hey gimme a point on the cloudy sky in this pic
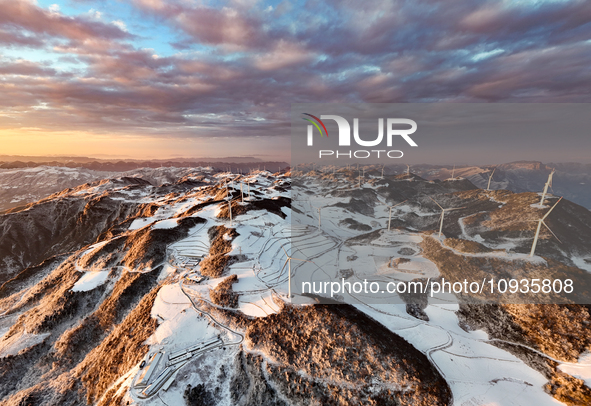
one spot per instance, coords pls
(158, 79)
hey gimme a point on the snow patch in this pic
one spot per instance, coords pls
(90, 281)
(581, 370)
(19, 342)
(582, 263)
(170, 223)
(140, 223)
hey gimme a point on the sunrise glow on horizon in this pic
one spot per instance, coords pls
(159, 79)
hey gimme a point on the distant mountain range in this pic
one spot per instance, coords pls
(83, 159)
(233, 164)
(26, 182)
(22, 183)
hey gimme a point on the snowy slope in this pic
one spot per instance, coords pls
(152, 264)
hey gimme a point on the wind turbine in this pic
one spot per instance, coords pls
(490, 178)
(407, 169)
(319, 213)
(230, 209)
(390, 217)
(443, 214)
(241, 192)
(382, 172)
(540, 222)
(453, 171)
(229, 199)
(548, 183)
(288, 263)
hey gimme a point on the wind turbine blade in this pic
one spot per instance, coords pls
(546, 215)
(286, 254)
(546, 225)
(302, 260)
(399, 203)
(436, 203)
(455, 208)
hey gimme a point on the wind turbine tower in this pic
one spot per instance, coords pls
(540, 222)
(443, 214)
(230, 209)
(229, 199)
(288, 263)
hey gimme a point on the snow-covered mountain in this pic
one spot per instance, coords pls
(172, 289)
(21, 186)
(571, 180)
